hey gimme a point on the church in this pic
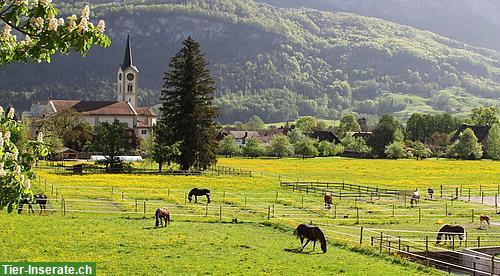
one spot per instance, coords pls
(139, 120)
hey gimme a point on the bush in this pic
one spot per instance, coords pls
(395, 150)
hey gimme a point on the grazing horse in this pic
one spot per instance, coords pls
(448, 231)
(199, 192)
(162, 215)
(311, 233)
(484, 218)
(328, 201)
(39, 199)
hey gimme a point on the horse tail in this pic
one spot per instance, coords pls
(167, 217)
(321, 237)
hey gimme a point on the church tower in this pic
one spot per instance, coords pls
(128, 78)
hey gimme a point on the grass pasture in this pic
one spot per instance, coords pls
(108, 218)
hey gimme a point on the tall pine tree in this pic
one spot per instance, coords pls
(188, 115)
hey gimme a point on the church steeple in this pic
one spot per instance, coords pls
(127, 59)
(127, 78)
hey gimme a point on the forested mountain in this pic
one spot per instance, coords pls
(277, 63)
(476, 22)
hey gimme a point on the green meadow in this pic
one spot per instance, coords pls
(247, 229)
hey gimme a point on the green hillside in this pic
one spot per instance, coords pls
(273, 62)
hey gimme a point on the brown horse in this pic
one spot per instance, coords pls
(311, 233)
(328, 201)
(484, 218)
(162, 215)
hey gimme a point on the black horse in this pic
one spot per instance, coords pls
(199, 192)
(39, 199)
(449, 231)
(311, 233)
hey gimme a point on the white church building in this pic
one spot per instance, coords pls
(139, 119)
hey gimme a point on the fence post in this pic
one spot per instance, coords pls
(480, 189)
(371, 241)
(273, 210)
(123, 195)
(220, 213)
(478, 241)
(472, 215)
(482, 197)
(456, 192)
(441, 189)
(112, 191)
(453, 243)
(340, 195)
(245, 201)
(268, 211)
(380, 248)
(446, 209)
(419, 215)
(393, 210)
(493, 265)
(357, 215)
(427, 246)
(144, 208)
(64, 206)
(136, 205)
(469, 196)
(405, 198)
(361, 236)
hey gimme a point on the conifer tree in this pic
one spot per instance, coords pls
(188, 114)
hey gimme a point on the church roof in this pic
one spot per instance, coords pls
(127, 59)
(144, 111)
(94, 107)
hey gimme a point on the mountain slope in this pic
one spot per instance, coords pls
(276, 63)
(474, 22)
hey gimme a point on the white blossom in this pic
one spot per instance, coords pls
(45, 2)
(6, 135)
(27, 184)
(60, 21)
(17, 171)
(39, 137)
(37, 22)
(53, 23)
(2, 165)
(14, 155)
(1, 141)
(6, 32)
(1, 111)
(10, 114)
(85, 12)
(2, 172)
(26, 42)
(101, 25)
(84, 25)
(21, 2)
(72, 23)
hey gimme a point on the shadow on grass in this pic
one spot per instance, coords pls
(297, 251)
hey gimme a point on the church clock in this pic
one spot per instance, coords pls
(130, 76)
